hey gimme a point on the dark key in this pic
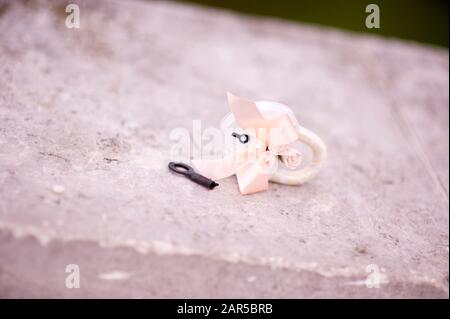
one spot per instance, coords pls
(186, 170)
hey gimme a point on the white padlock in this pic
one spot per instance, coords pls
(319, 152)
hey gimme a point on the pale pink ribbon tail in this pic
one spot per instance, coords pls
(251, 179)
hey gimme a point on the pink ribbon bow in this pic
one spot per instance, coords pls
(269, 138)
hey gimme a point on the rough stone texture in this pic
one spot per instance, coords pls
(92, 109)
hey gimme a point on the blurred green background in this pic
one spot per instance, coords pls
(419, 20)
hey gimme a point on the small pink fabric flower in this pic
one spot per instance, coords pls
(292, 158)
(279, 150)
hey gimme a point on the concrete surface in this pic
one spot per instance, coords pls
(85, 119)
